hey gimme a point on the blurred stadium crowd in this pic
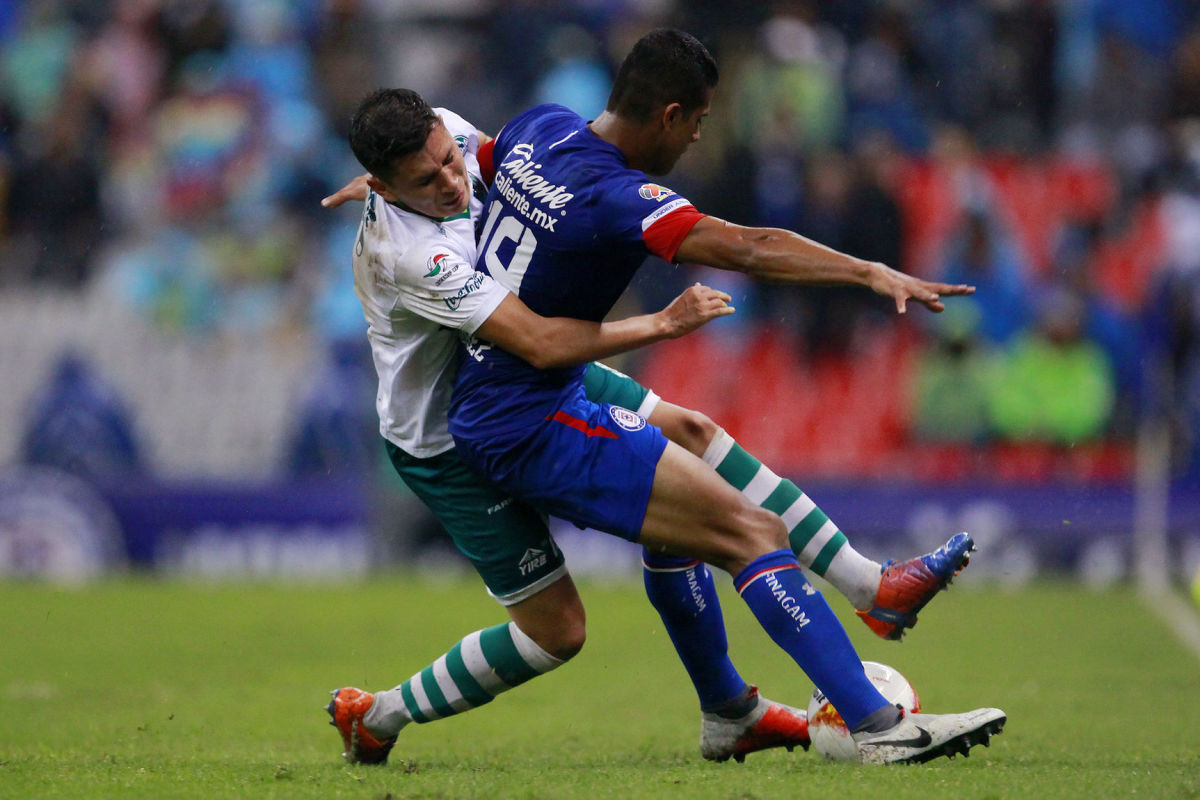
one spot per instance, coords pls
(174, 300)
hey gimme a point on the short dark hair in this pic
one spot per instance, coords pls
(389, 125)
(665, 66)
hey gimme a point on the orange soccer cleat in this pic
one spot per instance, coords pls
(769, 724)
(347, 709)
(908, 586)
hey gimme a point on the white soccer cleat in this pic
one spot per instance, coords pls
(921, 737)
(769, 724)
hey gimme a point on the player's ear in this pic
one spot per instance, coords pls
(672, 113)
(380, 188)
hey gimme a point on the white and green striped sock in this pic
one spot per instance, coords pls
(481, 666)
(817, 542)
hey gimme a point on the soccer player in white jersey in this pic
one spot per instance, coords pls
(703, 437)
(414, 276)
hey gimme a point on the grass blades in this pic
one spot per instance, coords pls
(145, 688)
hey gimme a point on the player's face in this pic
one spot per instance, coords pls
(432, 181)
(680, 133)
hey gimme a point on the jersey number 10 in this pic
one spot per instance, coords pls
(498, 229)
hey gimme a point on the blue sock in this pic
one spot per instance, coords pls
(798, 619)
(683, 593)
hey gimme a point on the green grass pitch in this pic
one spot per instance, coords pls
(142, 688)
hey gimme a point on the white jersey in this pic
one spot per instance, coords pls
(416, 279)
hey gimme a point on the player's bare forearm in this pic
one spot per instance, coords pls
(548, 342)
(770, 254)
(773, 254)
(354, 190)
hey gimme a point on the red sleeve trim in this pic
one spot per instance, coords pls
(486, 167)
(665, 235)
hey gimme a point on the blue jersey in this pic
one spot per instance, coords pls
(566, 225)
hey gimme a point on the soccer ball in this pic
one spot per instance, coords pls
(825, 726)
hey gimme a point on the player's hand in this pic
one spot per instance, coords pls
(902, 288)
(354, 190)
(697, 305)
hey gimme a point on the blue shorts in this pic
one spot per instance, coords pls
(591, 464)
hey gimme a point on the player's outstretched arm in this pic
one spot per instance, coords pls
(547, 342)
(354, 190)
(774, 254)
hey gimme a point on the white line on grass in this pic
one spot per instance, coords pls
(1178, 615)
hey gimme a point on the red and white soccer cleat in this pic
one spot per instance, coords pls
(769, 724)
(347, 709)
(908, 586)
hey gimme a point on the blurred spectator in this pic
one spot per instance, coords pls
(1022, 102)
(347, 62)
(848, 207)
(1173, 364)
(1185, 78)
(9, 17)
(54, 206)
(35, 61)
(168, 277)
(953, 39)
(338, 432)
(189, 27)
(954, 379)
(1171, 317)
(879, 92)
(788, 93)
(179, 147)
(990, 263)
(79, 424)
(1104, 321)
(875, 220)
(1053, 385)
(207, 132)
(577, 77)
(1125, 103)
(125, 65)
(515, 45)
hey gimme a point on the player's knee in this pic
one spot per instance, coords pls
(571, 642)
(689, 429)
(553, 618)
(697, 431)
(749, 532)
(565, 640)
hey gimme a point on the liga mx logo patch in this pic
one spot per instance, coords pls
(435, 264)
(652, 191)
(627, 419)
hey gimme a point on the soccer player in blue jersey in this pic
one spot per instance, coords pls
(414, 275)
(570, 217)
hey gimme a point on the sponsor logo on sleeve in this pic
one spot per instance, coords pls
(442, 267)
(662, 211)
(473, 283)
(435, 264)
(629, 420)
(652, 191)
